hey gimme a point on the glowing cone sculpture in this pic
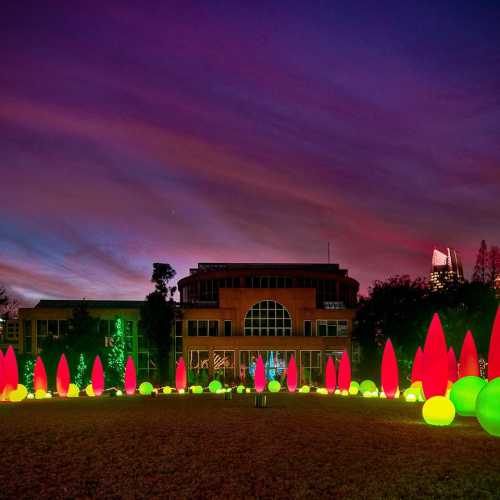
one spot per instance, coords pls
(63, 378)
(97, 377)
(330, 376)
(345, 372)
(2, 375)
(260, 375)
(494, 352)
(435, 371)
(130, 378)
(390, 373)
(180, 375)
(417, 370)
(452, 365)
(469, 362)
(11, 375)
(39, 376)
(291, 375)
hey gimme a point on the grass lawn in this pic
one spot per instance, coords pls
(302, 445)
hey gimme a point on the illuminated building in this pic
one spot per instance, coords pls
(446, 269)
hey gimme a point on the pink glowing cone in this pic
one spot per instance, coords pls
(2, 375)
(435, 371)
(180, 375)
(97, 376)
(417, 369)
(452, 365)
(11, 375)
(494, 352)
(345, 372)
(291, 375)
(63, 378)
(469, 363)
(39, 375)
(330, 375)
(260, 375)
(130, 379)
(390, 373)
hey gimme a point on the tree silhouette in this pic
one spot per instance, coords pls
(481, 267)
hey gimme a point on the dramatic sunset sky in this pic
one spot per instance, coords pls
(133, 132)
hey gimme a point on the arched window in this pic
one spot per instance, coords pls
(268, 318)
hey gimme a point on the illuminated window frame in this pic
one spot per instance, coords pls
(267, 318)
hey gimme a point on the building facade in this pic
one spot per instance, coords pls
(229, 314)
(446, 269)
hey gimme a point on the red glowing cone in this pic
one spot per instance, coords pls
(130, 379)
(330, 376)
(417, 370)
(345, 372)
(390, 373)
(435, 371)
(39, 376)
(2, 376)
(469, 363)
(63, 378)
(452, 365)
(11, 375)
(291, 375)
(494, 353)
(260, 375)
(97, 377)
(180, 375)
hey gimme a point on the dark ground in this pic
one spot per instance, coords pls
(303, 445)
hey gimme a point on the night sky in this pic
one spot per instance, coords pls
(213, 131)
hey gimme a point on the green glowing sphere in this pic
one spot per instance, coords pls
(214, 386)
(240, 389)
(18, 394)
(197, 389)
(354, 388)
(73, 391)
(411, 395)
(89, 391)
(488, 407)
(305, 389)
(438, 410)
(274, 386)
(464, 393)
(146, 389)
(40, 394)
(167, 390)
(367, 386)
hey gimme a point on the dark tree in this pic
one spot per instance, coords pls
(481, 267)
(158, 314)
(493, 265)
(8, 307)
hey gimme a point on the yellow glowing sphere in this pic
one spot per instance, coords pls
(354, 388)
(30, 395)
(337, 391)
(167, 390)
(40, 394)
(410, 398)
(322, 390)
(397, 394)
(181, 391)
(48, 395)
(18, 394)
(89, 391)
(248, 390)
(73, 391)
(438, 410)
(367, 394)
(345, 393)
(382, 395)
(119, 392)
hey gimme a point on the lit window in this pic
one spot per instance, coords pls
(267, 318)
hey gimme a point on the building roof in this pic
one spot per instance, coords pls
(91, 304)
(223, 266)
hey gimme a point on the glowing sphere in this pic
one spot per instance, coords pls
(248, 390)
(180, 374)
(220, 391)
(469, 363)
(494, 351)
(197, 389)
(435, 366)
(344, 393)
(89, 391)
(130, 379)
(383, 395)
(464, 393)
(411, 395)
(354, 388)
(40, 394)
(167, 390)
(260, 375)
(418, 365)
(439, 411)
(322, 390)
(390, 373)
(367, 386)
(305, 389)
(181, 391)
(274, 386)
(97, 377)
(291, 375)
(488, 407)
(330, 375)
(214, 386)
(240, 389)
(146, 389)
(344, 372)
(73, 391)
(30, 395)
(18, 394)
(119, 393)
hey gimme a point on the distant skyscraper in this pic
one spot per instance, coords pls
(446, 268)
